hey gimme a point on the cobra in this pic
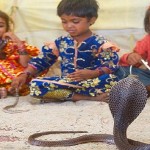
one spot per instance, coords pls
(127, 99)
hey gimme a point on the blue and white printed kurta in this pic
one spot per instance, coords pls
(93, 53)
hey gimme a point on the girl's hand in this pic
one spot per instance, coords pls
(18, 82)
(83, 74)
(13, 38)
(134, 58)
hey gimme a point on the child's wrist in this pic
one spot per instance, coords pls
(22, 49)
(100, 71)
(23, 52)
(27, 73)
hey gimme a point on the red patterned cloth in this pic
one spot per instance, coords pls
(10, 67)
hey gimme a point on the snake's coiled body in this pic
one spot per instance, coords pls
(127, 99)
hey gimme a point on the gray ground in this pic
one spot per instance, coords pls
(94, 117)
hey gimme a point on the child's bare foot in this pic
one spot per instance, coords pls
(3, 92)
(104, 97)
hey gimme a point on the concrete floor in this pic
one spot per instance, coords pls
(94, 117)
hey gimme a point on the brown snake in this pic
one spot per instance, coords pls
(7, 108)
(127, 99)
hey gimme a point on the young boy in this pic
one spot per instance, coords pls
(87, 60)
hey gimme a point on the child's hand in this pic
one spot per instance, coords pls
(83, 74)
(134, 58)
(17, 82)
(12, 37)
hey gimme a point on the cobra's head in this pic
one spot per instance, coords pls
(127, 99)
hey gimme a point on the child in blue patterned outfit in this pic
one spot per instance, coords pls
(87, 60)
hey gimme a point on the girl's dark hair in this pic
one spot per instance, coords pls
(147, 21)
(7, 19)
(80, 8)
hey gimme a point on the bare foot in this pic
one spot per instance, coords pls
(104, 97)
(3, 92)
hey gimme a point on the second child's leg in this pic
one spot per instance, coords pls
(62, 95)
(104, 97)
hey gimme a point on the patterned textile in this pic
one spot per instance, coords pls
(93, 53)
(10, 67)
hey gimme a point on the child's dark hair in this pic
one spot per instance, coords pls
(147, 21)
(7, 19)
(80, 8)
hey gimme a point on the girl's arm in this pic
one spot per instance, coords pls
(22, 78)
(20, 46)
(23, 54)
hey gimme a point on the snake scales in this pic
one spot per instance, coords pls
(127, 99)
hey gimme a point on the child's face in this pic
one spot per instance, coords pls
(2, 27)
(75, 26)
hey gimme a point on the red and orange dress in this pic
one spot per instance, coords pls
(10, 66)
